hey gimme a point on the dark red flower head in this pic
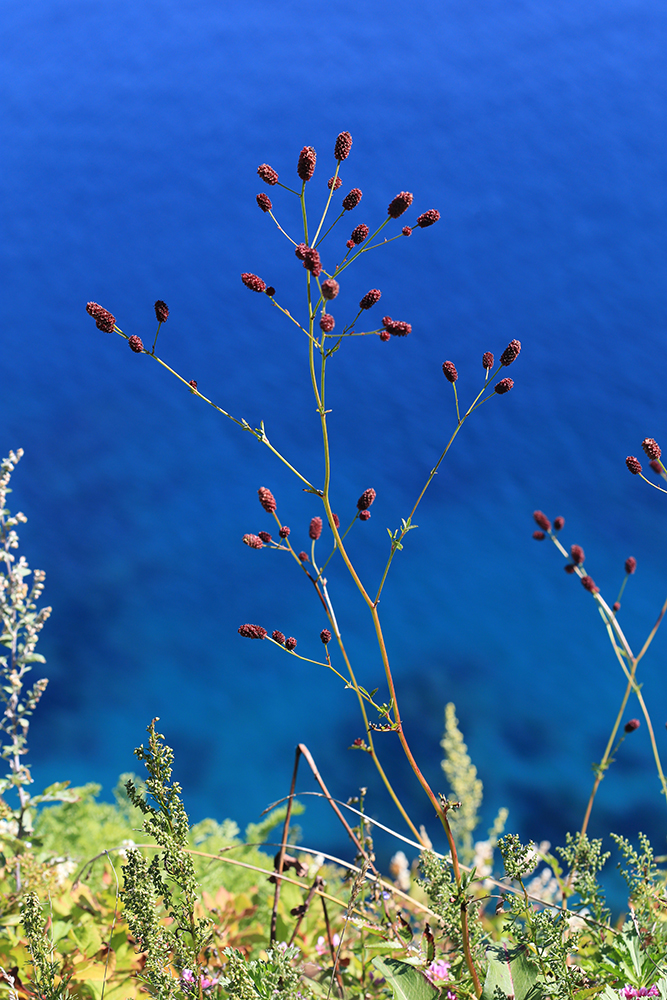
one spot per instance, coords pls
(161, 311)
(254, 541)
(252, 631)
(577, 555)
(335, 183)
(284, 531)
(401, 203)
(539, 536)
(135, 344)
(193, 383)
(370, 298)
(631, 725)
(407, 230)
(364, 515)
(264, 202)
(396, 327)
(487, 360)
(352, 199)
(655, 465)
(305, 168)
(630, 565)
(290, 643)
(300, 251)
(253, 282)
(315, 529)
(366, 499)
(303, 556)
(265, 536)
(569, 568)
(267, 173)
(542, 520)
(267, 499)
(428, 218)
(651, 447)
(634, 465)
(330, 289)
(327, 322)
(616, 606)
(359, 233)
(343, 146)
(559, 523)
(336, 519)
(449, 371)
(588, 583)
(278, 637)
(103, 319)
(504, 386)
(325, 636)
(385, 335)
(312, 262)
(270, 290)
(511, 352)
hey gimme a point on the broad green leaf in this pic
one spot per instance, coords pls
(406, 982)
(510, 975)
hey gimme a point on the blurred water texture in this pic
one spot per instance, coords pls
(132, 137)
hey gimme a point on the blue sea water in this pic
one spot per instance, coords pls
(132, 134)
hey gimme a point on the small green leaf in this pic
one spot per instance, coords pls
(406, 982)
(510, 975)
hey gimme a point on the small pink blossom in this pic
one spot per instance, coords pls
(438, 971)
(322, 947)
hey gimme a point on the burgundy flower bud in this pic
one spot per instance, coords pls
(265, 536)
(284, 531)
(651, 447)
(407, 230)
(559, 523)
(504, 386)
(385, 335)
(396, 326)
(336, 520)
(135, 344)
(343, 146)
(633, 464)
(359, 233)
(305, 168)
(428, 218)
(539, 536)
(312, 262)
(264, 202)
(656, 466)
(588, 583)
(616, 606)
(267, 499)
(630, 565)
(370, 298)
(290, 643)
(569, 568)
(330, 289)
(511, 352)
(366, 499)
(253, 282)
(254, 541)
(325, 636)
(364, 515)
(267, 173)
(487, 360)
(161, 311)
(352, 199)
(300, 251)
(303, 556)
(270, 291)
(279, 637)
(252, 631)
(315, 529)
(193, 383)
(103, 319)
(349, 244)
(401, 203)
(449, 371)
(541, 520)
(327, 322)
(335, 183)
(577, 555)
(631, 725)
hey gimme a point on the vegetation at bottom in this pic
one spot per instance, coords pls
(127, 900)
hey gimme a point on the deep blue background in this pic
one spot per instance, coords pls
(132, 134)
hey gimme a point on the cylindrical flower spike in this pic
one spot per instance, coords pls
(343, 146)
(312, 262)
(264, 202)
(511, 353)
(254, 541)
(161, 311)
(487, 360)
(449, 371)
(370, 298)
(539, 536)
(588, 583)
(577, 555)
(330, 289)
(401, 203)
(253, 282)
(305, 168)
(656, 466)
(541, 520)
(359, 233)
(630, 565)
(267, 500)
(631, 725)
(352, 199)
(327, 322)
(315, 529)
(396, 327)
(428, 218)
(278, 637)
(325, 636)
(265, 536)
(103, 318)
(267, 173)
(504, 386)
(651, 447)
(634, 465)
(335, 183)
(290, 643)
(559, 523)
(135, 344)
(252, 631)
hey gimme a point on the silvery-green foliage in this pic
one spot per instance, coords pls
(274, 977)
(44, 968)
